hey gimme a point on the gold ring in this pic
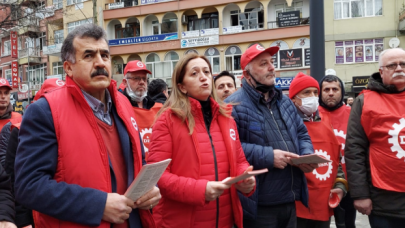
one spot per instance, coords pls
(151, 206)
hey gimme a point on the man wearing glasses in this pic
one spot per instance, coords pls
(375, 144)
(136, 90)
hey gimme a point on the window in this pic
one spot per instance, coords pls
(171, 60)
(152, 64)
(37, 74)
(358, 51)
(130, 30)
(41, 41)
(155, 27)
(281, 8)
(191, 51)
(8, 75)
(70, 2)
(212, 55)
(58, 36)
(357, 8)
(73, 25)
(251, 19)
(57, 68)
(58, 4)
(207, 21)
(169, 23)
(7, 48)
(232, 59)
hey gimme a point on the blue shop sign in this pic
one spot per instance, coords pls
(143, 39)
(283, 83)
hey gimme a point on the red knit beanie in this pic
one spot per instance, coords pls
(301, 82)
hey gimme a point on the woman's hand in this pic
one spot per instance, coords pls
(246, 185)
(214, 189)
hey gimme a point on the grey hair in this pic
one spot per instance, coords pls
(68, 51)
(248, 67)
(384, 52)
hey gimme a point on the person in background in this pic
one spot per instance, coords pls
(79, 147)
(271, 133)
(350, 101)
(7, 114)
(225, 84)
(331, 102)
(158, 90)
(194, 128)
(328, 178)
(7, 212)
(375, 144)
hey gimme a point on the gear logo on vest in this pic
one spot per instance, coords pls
(342, 136)
(134, 123)
(232, 134)
(324, 170)
(146, 134)
(396, 139)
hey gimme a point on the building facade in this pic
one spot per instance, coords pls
(160, 32)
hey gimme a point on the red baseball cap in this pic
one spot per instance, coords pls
(254, 51)
(48, 86)
(4, 82)
(134, 66)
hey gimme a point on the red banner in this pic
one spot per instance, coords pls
(14, 74)
(14, 45)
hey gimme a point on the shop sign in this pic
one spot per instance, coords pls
(143, 39)
(232, 29)
(187, 34)
(307, 53)
(360, 83)
(209, 32)
(153, 1)
(284, 83)
(14, 44)
(291, 18)
(290, 58)
(201, 41)
(14, 74)
(116, 5)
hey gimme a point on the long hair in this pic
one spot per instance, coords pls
(179, 103)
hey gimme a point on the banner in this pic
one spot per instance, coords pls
(153, 1)
(232, 29)
(291, 18)
(291, 58)
(209, 32)
(187, 34)
(14, 74)
(307, 52)
(143, 39)
(197, 42)
(14, 44)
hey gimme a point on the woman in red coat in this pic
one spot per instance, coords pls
(195, 130)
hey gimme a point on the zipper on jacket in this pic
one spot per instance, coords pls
(292, 174)
(216, 175)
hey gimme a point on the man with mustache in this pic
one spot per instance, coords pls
(225, 84)
(375, 144)
(271, 132)
(79, 146)
(331, 102)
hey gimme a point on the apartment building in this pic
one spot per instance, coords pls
(159, 32)
(356, 31)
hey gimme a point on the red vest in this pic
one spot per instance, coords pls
(14, 116)
(383, 120)
(145, 119)
(82, 155)
(339, 119)
(321, 180)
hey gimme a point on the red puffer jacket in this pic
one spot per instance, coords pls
(194, 163)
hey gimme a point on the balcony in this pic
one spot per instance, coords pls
(53, 50)
(29, 27)
(274, 24)
(29, 55)
(123, 4)
(29, 2)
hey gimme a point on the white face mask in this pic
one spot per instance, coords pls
(309, 105)
(134, 96)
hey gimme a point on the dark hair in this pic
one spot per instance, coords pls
(225, 73)
(156, 86)
(87, 30)
(331, 78)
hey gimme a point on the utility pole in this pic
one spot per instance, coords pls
(95, 21)
(317, 38)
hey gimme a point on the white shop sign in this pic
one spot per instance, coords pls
(200, 41)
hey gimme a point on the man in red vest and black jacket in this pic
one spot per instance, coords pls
(375, 144)
(80, 148)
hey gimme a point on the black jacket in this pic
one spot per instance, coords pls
(7, 212)
(147, 102)
(160, 98)
(385, 203)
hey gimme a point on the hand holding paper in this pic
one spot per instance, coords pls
(246, 185)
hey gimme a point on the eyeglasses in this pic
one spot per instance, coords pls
(394, 66)
(138, 79)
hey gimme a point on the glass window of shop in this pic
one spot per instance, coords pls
(232, 59)
(358, 51)
(152, 64)
(207, 21)
(212, 55)
(357, 8)
(57, 68)
(170, 62)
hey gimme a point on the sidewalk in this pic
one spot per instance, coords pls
(361, 221)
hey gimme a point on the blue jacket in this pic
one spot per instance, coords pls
(35, 166)
(261, 130)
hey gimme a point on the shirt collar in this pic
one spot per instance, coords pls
(95, 104)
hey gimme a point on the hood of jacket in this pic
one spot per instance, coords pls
(376, 84)
(339, 104)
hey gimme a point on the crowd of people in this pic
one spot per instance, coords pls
(69, 161)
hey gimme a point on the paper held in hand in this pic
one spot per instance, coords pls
(309, 159)
(234, 180)
(146, 179)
